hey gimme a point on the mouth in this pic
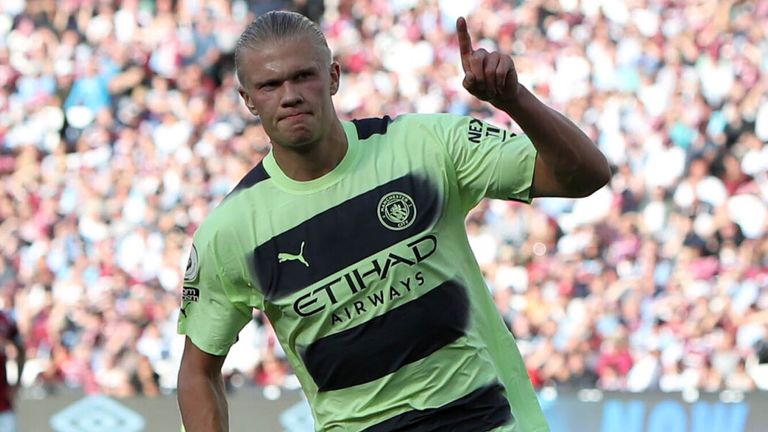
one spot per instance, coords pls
(294, 116)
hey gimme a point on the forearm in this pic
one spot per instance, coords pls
(203, 403)
(573, 158)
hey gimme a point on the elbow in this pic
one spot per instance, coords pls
(602, 174)
(594, 178)
(596, 170)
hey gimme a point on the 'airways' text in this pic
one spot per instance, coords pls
(365, 276)
(377, 299)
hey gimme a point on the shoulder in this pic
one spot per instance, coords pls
(433, 118)
(368, 127)
(206, 235)
(254, 177)
(219, 226)
(442, 126)
(230, 211)
(224, 223)
(411, 123)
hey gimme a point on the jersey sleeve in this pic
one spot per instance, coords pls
(215, 303)
(489, 161)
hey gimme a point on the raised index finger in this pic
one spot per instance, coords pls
(465, 43)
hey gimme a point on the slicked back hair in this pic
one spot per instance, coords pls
(277, 26)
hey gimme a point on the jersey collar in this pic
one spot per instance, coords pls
(284, 182)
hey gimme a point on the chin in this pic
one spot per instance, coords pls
(300, 142)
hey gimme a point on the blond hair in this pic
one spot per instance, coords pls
(277, 26)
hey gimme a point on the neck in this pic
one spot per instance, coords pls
(316, 159)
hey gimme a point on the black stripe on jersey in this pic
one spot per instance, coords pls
(482, 410)
(388, 342)
(340, 236)
(257, 174)
(371, 126)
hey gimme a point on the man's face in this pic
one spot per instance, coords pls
(289, 84)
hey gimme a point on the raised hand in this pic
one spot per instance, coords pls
(488, 76)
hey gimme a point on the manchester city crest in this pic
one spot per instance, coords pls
(397, 211)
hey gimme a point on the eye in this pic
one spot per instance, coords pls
(303, 76)
(269, 85)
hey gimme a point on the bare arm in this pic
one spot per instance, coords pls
(568, 163)
(202, 400)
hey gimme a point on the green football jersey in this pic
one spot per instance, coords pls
(368, 278)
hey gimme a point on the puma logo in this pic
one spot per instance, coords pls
(285, 256)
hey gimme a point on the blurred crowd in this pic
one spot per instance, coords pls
(121, 127)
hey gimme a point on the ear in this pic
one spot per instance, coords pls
(335, 77)
(248, 101)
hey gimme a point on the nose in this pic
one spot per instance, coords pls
(291, 95)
